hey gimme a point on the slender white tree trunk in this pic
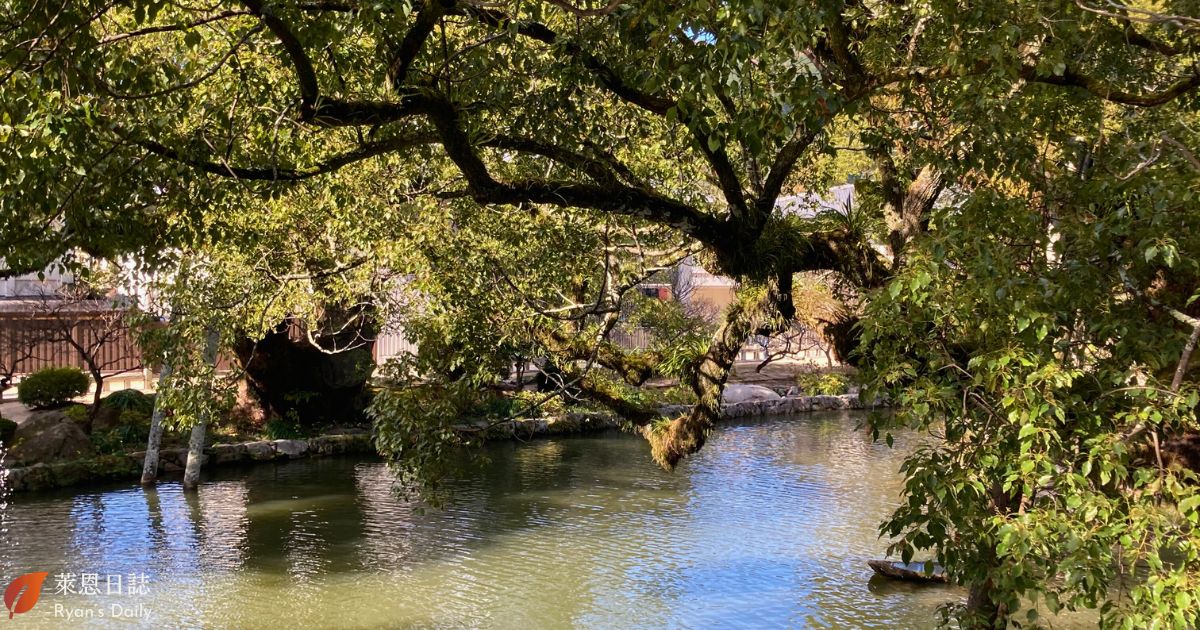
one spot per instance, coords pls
(150, 467)
(195, 458)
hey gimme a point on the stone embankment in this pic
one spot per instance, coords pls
(107, 468)
(741, 401)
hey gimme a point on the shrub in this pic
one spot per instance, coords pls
(538, 404)
(492, 405)
(130, 400)
(120, 440)
(815, 384)
(283, 429)
(77, 414)
(677, 395)
(52, 387)
(8, 429)
(133, 418)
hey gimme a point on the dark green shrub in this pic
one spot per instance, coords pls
(130, 400)
(122, 439)
(283, 429)
(134, 418)
(492, 405)
(52, 387)
(8, 429)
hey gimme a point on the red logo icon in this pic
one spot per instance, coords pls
(23, 592)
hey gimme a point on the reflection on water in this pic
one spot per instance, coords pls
(770, 526)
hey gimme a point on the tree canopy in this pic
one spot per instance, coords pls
(1021, 264)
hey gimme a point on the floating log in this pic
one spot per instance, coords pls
(908, 570)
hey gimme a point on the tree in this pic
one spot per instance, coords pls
(195, 454)
(1052, 357)
(432, 131)
(154, 440)
(17, 346)
(96, 328)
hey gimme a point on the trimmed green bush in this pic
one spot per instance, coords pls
(130, 400)
(8, 429)
(133, 418)
(52, 387)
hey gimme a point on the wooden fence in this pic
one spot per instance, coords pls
(756, 348)
(632, 338)
(28, 345)
(390, 344)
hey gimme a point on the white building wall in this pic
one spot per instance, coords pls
(30, 285)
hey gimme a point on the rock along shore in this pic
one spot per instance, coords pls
(109, 468)
(596, 421)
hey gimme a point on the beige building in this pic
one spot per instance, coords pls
(707, 294)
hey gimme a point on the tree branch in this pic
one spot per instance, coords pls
(1073, 78)
(427, 18)
(329, 165)
(306, 75)
(608, 78)
(166, 28)
(782, 167)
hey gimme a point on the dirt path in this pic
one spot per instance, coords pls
(15, 411)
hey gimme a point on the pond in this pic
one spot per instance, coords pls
(770, 525)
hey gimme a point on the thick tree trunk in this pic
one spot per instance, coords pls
(983, 613)
(671, 441)
(675, 439)
(907, 199)
(150, 466)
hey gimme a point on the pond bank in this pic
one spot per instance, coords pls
(595, 421)
(111, 468)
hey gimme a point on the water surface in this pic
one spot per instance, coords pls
(769, 526)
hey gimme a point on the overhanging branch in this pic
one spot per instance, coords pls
(1109, 92)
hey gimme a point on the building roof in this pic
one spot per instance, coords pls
(10, 306)
(808, 205)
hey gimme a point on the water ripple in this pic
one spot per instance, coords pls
(769, 526)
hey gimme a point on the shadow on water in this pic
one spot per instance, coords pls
(770, 525)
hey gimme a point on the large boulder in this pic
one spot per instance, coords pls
(740, 393)
(260, 451)
(106, 419)
(49, 436)
(38, 420)
(292, 449)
